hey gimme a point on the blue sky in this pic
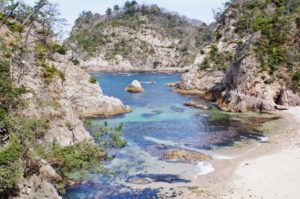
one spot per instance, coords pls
(198, 9)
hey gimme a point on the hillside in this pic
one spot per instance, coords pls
(254, 63)
(137, 37)
(43, 99)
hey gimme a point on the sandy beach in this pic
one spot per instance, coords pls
(274, 175)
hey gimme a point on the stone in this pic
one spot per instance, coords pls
(172, 84)
(186, 156)
(137, 180)
(197, 104)
(135, 87)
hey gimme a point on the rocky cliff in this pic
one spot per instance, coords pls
(254, 63)
(44, 98)
(137, 38)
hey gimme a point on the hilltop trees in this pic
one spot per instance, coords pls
(108, 12)
(116, 7)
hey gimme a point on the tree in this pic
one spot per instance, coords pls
(108, 12)
(116, 8)
(133, 3)
(127, 5)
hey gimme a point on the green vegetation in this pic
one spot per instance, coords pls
(93, 80)
(76, 62)
(94, 37)
(58, 48)
(10, 164)
(50, 72)
(215, 59)
(110, 137)
(81, 157)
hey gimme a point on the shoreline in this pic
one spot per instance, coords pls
(274, 172)
(256, 170)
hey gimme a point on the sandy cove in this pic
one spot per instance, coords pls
(266, 171)
(274, 175)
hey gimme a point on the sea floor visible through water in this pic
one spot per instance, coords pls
(158, 123)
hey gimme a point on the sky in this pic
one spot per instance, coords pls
(197, 9)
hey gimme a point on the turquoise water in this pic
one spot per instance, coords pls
(159, 121)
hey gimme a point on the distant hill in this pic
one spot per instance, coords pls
(137, 37)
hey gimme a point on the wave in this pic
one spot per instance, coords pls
(183, 146)
(204, 168)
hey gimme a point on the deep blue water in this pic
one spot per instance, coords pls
(159, 121)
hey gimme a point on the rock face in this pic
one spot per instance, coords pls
(40, 186)
(146, 39)
(63, 102)
(186, 156)
(135, 87)
(239, 70)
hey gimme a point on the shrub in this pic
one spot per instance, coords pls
(41, 51)
(50, 72)
(93, 80)
(76, 62)
(83, 156)
(58, 48)
(10, 164)
(14, 27)
(156, 64)
(296, 76)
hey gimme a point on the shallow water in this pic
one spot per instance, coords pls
(159, 122)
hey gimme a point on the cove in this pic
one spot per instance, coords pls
(159, 122)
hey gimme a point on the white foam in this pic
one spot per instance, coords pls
(159, 141)
(264, 139)
(204, 168)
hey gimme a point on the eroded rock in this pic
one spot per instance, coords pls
(186, 156)
(135, 87)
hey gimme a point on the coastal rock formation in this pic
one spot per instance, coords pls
(251, 66)
(142, 38)
(186, 156)
(197, 104)
(135, 87)
(40, 186)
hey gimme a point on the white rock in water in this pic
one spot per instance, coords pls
(135, 87)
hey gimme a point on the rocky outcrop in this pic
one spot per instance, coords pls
(186, 156)
(197, 104)
(40, 186)
(135, 87)
(246, 69)
(63, 101)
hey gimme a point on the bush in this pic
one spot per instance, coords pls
(156, 64)
(10, 164)
(296, 76)
(14, 27)
(93, 80)
(76, 62)
(84, 157)
(58, 48)
(50, 72)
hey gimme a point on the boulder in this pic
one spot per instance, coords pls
(172, 84)
(197, 104)
(186, 156)
(135, 87)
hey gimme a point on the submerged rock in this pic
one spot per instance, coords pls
(149, 178)
(172, 84)
(186, 156)
(135, 87)
(197, 104)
